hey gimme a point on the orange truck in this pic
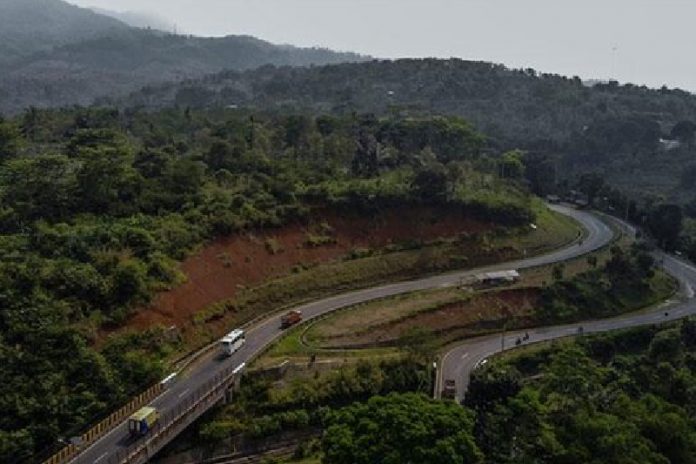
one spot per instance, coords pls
(290, 318)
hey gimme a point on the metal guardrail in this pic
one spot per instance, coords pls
(173, 422)
(69, 452)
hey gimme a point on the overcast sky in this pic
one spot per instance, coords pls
(641, 41)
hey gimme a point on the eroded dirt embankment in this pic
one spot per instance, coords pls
(220, 269)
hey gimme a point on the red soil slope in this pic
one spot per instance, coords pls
(221, 268)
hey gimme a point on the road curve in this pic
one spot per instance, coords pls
(264, 333)
(459, 362)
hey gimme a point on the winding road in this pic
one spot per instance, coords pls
(459, 362)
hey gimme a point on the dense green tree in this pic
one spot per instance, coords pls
(40, 187)
(687, 179)
(510, 165)
(591, 185)
(490, 386)
(10, 139)
(407, 428)
(106, 182)
(684, 131)
(540, 171)
(665, 223)
(602, 291)
(604, 399)
(366, 159)
(430, 183)
(90, 233)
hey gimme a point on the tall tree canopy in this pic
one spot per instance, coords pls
(401, 429)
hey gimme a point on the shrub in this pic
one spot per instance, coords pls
(272, 246)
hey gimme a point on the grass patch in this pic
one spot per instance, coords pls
(370, 318)
(361, 318)
(212, 313)
(553, 230)
(291, 347)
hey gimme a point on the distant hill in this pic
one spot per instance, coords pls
(609, 128)
(55, 54)
(509, 104)
(143, 20)
(30, 26)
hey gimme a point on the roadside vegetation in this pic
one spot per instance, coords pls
(627, 281)
(625, 396)
(602, 284)
(98, 207)
(345, 343)
(296, 405)
(396, 261)
(600, 398)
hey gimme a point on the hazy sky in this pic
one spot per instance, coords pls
(641, 41)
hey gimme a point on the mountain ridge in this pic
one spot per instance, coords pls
(106, 57)
(618, 131)
(139, 19)
(30, 26)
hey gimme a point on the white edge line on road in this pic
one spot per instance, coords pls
(101, 457)
(239, 368)
(168, 379)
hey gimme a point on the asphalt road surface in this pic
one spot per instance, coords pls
(261, 335)
(462, 360)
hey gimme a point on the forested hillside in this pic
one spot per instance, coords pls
(607, 128)
(97, 207)
(623, 397)
(55, 54)
(30, 26)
